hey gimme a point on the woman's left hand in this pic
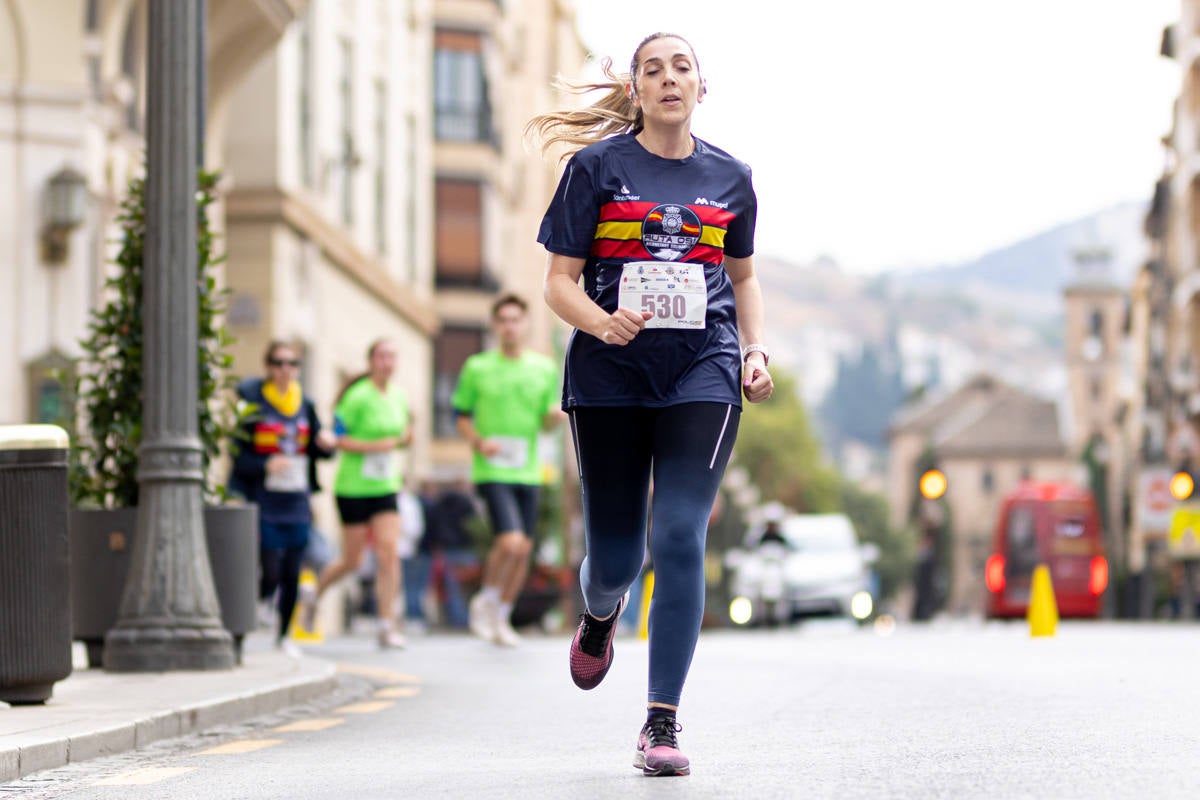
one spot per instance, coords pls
(756, 381)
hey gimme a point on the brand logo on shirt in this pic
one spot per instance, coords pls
(625, 196)
(704, 201)
(669, 232)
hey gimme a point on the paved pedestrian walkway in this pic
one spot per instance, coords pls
(94, 713)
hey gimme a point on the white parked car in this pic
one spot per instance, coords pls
(805, 565)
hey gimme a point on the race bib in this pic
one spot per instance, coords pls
(379, 466)
(292, 479)
(513, 453)
(675, 294)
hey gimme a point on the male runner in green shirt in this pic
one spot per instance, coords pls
(504, 398)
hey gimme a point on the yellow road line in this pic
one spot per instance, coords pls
(243, 746)
(363, 708)
(388, 675)
(399, 691)
(143, 777)
(308, 725)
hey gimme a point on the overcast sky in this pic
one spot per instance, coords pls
(899, 133)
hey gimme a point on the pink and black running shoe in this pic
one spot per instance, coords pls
(658, 749)
(592, 649)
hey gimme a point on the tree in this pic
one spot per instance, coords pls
(865, 395)
(869, 513)
(781, 454)
(106, 388)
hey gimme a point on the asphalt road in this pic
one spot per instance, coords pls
(958, 710)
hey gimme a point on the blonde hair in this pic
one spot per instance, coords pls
(612, 114)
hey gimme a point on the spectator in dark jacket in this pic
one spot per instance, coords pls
(447, 540)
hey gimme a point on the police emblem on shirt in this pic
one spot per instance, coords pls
(669, 232)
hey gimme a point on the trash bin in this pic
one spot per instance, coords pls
(35, 611)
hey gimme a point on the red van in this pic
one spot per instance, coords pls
(1051, 523)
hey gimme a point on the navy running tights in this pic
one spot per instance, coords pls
(684, 448)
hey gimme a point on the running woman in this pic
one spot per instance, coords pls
(660, 226)
(504, 398)
(275, 467)
(371, 421)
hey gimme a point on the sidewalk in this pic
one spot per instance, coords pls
(94, 713)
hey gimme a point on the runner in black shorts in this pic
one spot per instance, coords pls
(660, 227)
(504, 399)
(511, 506)
(372, 421)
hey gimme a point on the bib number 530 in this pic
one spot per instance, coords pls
(665, 306)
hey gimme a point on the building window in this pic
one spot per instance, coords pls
(93, 47)
(346, 92)
(462, 112)
(306, 101)
(453, 346)
(381, 143)
(130, 72)
(410, 198)
(458, 206)
(988, 481)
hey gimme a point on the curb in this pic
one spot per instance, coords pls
(53, 752)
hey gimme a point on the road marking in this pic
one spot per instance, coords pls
(143, 777)
(308, 725)
(236, 748)
(391, 676)
(363, 708)
(399, 691)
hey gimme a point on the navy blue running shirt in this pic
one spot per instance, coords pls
(616, 203)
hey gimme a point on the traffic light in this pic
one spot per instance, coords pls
(1183, 482)
(932, 484)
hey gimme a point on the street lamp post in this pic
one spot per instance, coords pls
(170, 618)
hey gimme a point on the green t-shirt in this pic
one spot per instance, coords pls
(507, 399)
(368, 414)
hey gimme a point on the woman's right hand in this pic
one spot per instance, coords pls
(622, 326)
(385, 444)
(487, 448)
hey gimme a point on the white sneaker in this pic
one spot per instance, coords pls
(390, 639)
(506, 636)
(289, 649)
(266, 614)
(482, 618)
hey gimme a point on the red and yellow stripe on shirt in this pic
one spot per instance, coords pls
(269, 436)
(619, 232)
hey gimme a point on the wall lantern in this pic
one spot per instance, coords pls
(64, 209)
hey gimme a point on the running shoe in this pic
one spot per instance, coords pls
(506, 636)
(658, 748)
(390, 639)
(592, 648)
(481, 615)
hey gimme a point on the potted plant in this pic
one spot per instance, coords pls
(105, 391)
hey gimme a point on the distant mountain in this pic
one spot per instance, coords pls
(1000, 313)
(1042, 264)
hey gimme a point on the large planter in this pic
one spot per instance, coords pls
(102, 545)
